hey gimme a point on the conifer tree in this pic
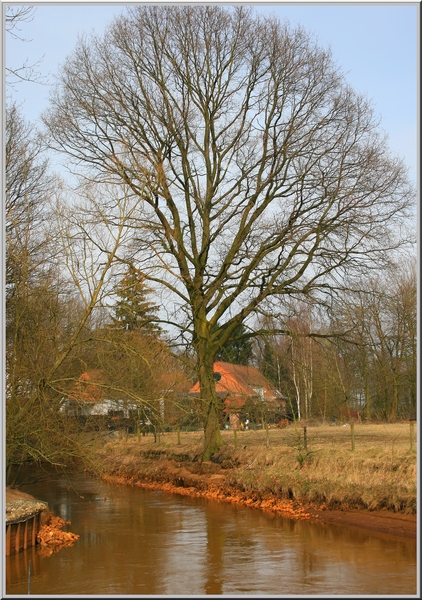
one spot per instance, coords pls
(238, 349)
(133, 311)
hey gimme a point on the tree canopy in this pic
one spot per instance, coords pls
(261, 174)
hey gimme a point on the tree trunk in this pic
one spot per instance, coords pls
(213, 439)
(395, 400)
(366, 388)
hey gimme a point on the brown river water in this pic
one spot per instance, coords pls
(142, 542)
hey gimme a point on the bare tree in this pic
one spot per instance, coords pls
(14, 17)
(50, 317)
(28, 185)
(27, 189)
(261, 172)
(381, 345)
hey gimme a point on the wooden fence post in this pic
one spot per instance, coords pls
(305, 437)
(352, 431)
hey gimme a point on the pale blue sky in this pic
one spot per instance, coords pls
(376, 46)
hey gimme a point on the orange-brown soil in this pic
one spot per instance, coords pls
(175, 478)
(51, 538)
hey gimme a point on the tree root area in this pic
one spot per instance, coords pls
(169, 476)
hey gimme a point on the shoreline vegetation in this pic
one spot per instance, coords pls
(354, 474)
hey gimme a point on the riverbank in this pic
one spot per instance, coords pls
(208, 486)
(48, 532)
(373, 486)
(20, 505)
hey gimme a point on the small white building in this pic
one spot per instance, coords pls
(106, 408)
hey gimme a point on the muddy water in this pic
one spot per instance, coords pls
(142, 542)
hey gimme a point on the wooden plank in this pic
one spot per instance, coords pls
(22, 534)
(8, 536)
(25, 535)
(34, 530)
(18, 538)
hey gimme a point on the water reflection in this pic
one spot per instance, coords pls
(137, 542)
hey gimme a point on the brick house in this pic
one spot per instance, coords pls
(246, 393)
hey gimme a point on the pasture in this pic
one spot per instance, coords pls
(375, 468)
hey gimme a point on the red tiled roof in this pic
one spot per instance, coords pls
(86, 388)
(240, 381)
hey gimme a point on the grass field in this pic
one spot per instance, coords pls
(377, 469)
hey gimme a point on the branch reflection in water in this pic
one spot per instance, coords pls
(142, 542)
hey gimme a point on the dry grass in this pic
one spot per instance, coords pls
(380, 472)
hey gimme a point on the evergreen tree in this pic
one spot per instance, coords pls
(238, 349)
(269, 365)
(133, 311)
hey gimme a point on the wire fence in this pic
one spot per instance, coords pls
(350, 436)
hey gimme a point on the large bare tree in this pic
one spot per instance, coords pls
(262, 173)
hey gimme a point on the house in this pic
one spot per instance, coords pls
(86, 399)
(84, 395)
(246, 393)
